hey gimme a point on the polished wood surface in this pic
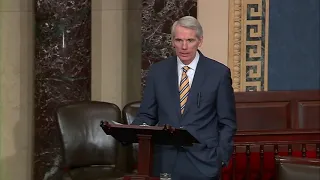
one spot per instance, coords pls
(147, 136)
(276, 110)
(272, 136)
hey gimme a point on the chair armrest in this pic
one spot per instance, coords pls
(295, 168)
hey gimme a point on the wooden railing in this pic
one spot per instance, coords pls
(254, 152)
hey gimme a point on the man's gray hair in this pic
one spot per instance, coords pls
(190, 23)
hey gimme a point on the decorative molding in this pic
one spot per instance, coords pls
(248, 44)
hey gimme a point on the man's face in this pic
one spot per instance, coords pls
(186, 44)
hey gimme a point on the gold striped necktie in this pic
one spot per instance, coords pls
(184, 88)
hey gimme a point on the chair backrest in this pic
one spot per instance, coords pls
(84, 141)
(296, 168)
(129, 112)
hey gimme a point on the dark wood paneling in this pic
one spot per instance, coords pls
(269, 115)
(278, 110)
(309, 114)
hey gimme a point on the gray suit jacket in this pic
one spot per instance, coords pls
(209, 114)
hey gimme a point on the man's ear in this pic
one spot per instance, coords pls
(200, 41)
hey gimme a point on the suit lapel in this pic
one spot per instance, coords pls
(196, 86)
(174, 87)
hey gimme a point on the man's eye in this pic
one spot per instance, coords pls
(190, 40)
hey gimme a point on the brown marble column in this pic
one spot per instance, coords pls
(157, 19)
(62, 72)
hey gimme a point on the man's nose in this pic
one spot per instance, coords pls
(185, 45)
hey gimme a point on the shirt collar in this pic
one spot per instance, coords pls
(192, 65)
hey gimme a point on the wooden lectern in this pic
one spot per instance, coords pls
(146, 136)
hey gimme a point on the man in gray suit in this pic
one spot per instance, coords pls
(193, 92)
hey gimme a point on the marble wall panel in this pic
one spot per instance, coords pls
(62, 73)
(157, 19)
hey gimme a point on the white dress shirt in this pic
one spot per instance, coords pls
(191, 71)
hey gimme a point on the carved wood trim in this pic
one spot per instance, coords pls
(248, 44)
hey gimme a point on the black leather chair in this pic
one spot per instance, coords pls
(296, 168)
(88, 153)
(129, 112)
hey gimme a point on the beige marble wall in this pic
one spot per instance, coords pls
(213, 15)
(115, 51)
(16, 63)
